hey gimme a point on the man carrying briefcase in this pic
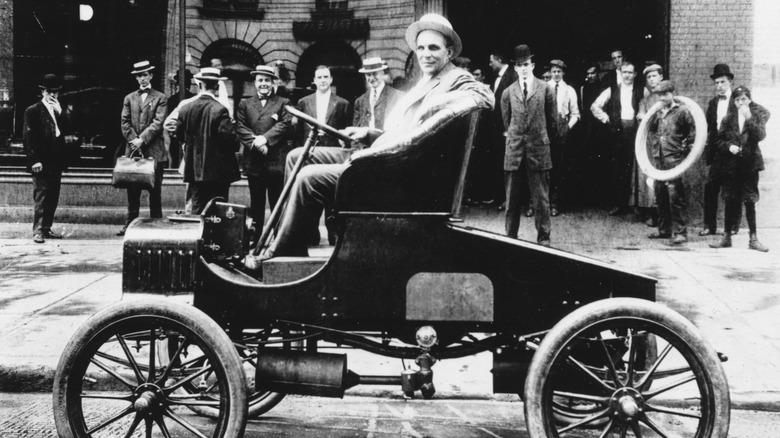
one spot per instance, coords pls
(143, 112)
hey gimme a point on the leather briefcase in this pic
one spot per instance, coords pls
(137, 172)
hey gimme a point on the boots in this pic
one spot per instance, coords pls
(724, 242)
(755, 244)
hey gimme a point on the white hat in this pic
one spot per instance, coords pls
(373, 64)
(209, 74)
(265, 70)
(439, 24)
(140, 67)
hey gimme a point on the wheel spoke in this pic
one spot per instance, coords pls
(163, 428)
(636, 429)
(597, 416)
(585, 369)
(186, 380)
(152, 358)
(149, 424)
(631, 356)
(593, 398)
(116, 417)
(647, 377)
(653, 426)
(608, 429)
(173, 358)
(623, 430)
(207, 403)
(98, 395)
(130, 359)
(113, 373)
(183, 423)
(670, 411)
(611, 364)
(668, 387)
(134, 426)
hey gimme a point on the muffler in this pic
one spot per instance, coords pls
(300, 372)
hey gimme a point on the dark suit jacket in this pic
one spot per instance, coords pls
(528, 124)
(40, 143)
(145, 120)
(339, 116)
(210, 141)
(754, 130)
(711, 155)
(384, 103)
(509, 78)
(273, 122)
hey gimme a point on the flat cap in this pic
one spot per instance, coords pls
(664, 87)
(652, 67)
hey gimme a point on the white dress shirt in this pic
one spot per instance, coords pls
(322, 105)
(723, 107)
(500, 75)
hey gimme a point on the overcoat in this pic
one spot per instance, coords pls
(40, 143)
(750, 158)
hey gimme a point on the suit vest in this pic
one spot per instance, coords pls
(615, 108)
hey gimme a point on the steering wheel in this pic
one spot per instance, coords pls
(317, 124)
(640, 145)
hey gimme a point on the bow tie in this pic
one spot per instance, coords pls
(721, 97)
(143, 90)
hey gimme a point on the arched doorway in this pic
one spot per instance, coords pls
(343, 61)
(236, 59)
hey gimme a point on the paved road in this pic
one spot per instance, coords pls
(30, 416)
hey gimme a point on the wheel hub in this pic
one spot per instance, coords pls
(148, 398)
(627, 404)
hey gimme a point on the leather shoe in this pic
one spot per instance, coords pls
(554, 212)
(51, 235)
(38, 238)
(529, 212)
(679, 239)
(545, 242)
(651, 223)
(122, 231)
(706, 232)
(658, 236)
(502, 207)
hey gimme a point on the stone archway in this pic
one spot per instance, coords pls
(343, 61)
(237, 59)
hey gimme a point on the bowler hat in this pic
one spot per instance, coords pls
(521, 53)
(265, 70)
(209, 74)
(652, 67)
(439, 24)
(50, 82)
(558, 63)
(187, 76)
(141, 66)
(666, 86)
(721, 70)
(371, 65)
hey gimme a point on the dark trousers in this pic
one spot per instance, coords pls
(672, 207)
(155, 196)
(712, 188)
(46, 196)
(270, 181)
(538, 184)
(622, 163)
(561, 169)
(205, 191)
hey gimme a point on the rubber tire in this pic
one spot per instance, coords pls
(640, 144)
(581, 319)
(200, 326)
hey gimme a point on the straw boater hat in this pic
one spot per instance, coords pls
(140, 67)
(371, 65)
(265, 70)
(209, 74)
(439, 24)
(50, 82)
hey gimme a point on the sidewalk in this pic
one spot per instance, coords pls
(47, 291)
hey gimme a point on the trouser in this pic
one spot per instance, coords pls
(313, 189)
(538, 184)
(560, 171)
(622, 163)
(712, 188)
(672, 207)
(155, 196)
(46, 196)
(205, 191)
(270, 181)
(738, 189)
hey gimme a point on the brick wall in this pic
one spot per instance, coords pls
(7, 45)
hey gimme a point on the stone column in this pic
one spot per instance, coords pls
(422, 7)
(6, 70)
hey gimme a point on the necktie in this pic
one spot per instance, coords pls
(143, 91)
(525, 90)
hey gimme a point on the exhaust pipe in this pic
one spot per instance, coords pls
(300, 372)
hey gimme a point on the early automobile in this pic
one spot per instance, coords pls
(581, 341)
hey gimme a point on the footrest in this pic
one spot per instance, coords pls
(288, 269)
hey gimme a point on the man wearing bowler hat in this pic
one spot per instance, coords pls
(44, 144)
(210, 142)
(372, 107)
(264, 126)
(718, 109)
(435, 44)
(528, 107)
(143, 112)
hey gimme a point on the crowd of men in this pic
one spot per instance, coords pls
(536, 136)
